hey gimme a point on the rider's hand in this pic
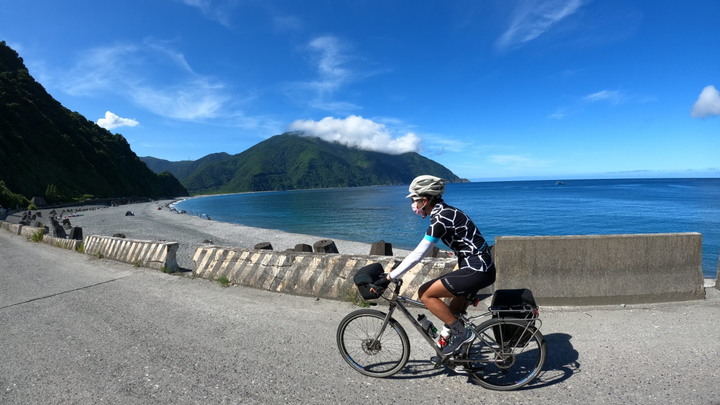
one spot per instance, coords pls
(381, 283)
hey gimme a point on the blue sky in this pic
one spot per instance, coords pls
(492, 89)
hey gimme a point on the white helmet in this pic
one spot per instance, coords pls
(426, 185)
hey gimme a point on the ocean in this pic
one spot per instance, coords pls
(509, 208)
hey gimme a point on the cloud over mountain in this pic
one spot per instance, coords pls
(358, 132)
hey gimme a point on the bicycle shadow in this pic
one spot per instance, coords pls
(418, 369)
(561, 363)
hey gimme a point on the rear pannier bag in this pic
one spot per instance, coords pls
(514, 304)
(366, 276)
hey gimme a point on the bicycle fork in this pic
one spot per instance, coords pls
(375, 342)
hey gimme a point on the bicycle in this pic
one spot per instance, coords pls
(507, 353)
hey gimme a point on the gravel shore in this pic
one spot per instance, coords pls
(155, 221)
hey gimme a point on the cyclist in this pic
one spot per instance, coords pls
(455, 229)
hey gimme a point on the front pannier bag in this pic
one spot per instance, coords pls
(365, 278)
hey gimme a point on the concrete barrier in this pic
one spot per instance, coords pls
(30, 231)
(70, 244)
(10, 227)
(602, 269)
(561, 270)
(153, 254)
(320, 275)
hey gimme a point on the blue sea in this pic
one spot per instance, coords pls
(511, 208)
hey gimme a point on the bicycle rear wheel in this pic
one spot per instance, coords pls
(506, 354)
(381, 357)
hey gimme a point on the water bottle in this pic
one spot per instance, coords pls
(427, 326)
(444, 337)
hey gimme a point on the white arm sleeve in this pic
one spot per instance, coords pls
(413, 258)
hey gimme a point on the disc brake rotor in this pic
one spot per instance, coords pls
(370, 348)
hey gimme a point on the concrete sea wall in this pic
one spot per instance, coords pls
(322, 275)
(560, 270)
(603, 269)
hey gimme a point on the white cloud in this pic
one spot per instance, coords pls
(559, 114)
(707, 104)
(330, 57)
(358, 132)
(532, 19)
(215, 10)
(189, 101)
(613, 96)
(152, 76)
(113, 121)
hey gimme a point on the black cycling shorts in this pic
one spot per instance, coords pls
(465, 281)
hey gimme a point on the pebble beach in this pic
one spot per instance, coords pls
(156, 221)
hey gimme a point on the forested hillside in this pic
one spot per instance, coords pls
(49, 151)
(291, 161)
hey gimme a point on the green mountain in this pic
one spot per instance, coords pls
(183, 168)
(49, 151)
(291, 161)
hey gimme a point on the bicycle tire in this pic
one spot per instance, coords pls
(355, 335)
(501, 366)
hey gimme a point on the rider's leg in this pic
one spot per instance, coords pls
(431, 295)
(458, 305)
(432, 298)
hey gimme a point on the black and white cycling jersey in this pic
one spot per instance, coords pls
(455, 229)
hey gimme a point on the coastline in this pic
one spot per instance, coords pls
(155, 221)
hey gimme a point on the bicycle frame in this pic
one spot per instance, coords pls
(397, 301)
(507, 353)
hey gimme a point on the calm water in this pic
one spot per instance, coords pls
(520, 208)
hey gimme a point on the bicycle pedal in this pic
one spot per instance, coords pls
(440, 361)
(443, 361)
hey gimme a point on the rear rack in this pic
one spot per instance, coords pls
(515, 311)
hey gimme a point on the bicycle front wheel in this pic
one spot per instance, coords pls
(506, 354)
(368, 353)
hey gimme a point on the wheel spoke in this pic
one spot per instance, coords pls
(360, 347)
(500, 359)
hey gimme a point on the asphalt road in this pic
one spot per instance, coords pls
(75, 329)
